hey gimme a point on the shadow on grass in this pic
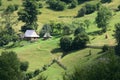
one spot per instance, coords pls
(99, 32)
(56, 50)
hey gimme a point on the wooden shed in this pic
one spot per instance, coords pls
(31, 35)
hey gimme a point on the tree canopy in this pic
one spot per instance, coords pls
(103, 17)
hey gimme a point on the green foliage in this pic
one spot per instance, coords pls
(119, 7)
(65, 43)
(24, 66)
(87, 23)
(40, 5)
(32, 26)
(105, 68)
(10, 66)
(46, 28)
(81, 12)
(66, 30)
(0, 2)
(42, 78)
(90, 8)
(67, 1)
(73, 4)
(79, 30)
(105, 48)
(10, 9)
(80, 41)
(36, 72)
(7, 35)
(117, 33)
(29, 14)
(57, 5)
(104, 1)
(103, 17)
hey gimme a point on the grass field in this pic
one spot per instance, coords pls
(39, 53)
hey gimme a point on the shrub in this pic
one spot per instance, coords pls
(30, 75)
(65, 43)
(40, 5)
(79, 30)
(16, 6)
(57, 5)
(73, 4)
(80, 41)
(105, 48)
(90, 8)
(10, 9)
(119, 7)
(106, 68)
(36, 72)
(81, 12)
(104, 1)
(24, 66)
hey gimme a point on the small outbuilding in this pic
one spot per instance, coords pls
(31, 35)
(47, 35)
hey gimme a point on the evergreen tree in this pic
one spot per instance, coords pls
(103, 17)
(10, 67)
(29, 14)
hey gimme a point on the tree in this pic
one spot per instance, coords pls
(73, 4)
(104, 1)
(46, 28)
(103, 17)
(87, 23)
(57, 5)
(104, 68)
(7, 33)
(66, 30)
(117, 33)
(67, 1)
(119, 7)
(10, 66)
(29, 14)
(117, 37)
(24, 66)
(10, 9)
(90, 8)
(79, 30)
(65, 43)
(81, 12)
(80, 41)
(0, 2)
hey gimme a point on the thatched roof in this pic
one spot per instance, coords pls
(30, 33)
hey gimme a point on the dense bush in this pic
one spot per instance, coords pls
(104, 1)
(57, 5)
(81, 12)
(10, 66)
(67, 1)
(106, 68)
(103, 17)
(79, 30)
(40, 5)
(105, 48)
(65, 43)
(80, 41)
(73, 4)
(10, 9)
(0, 2)
(90, 8)
(119, 7)
(24, 66)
